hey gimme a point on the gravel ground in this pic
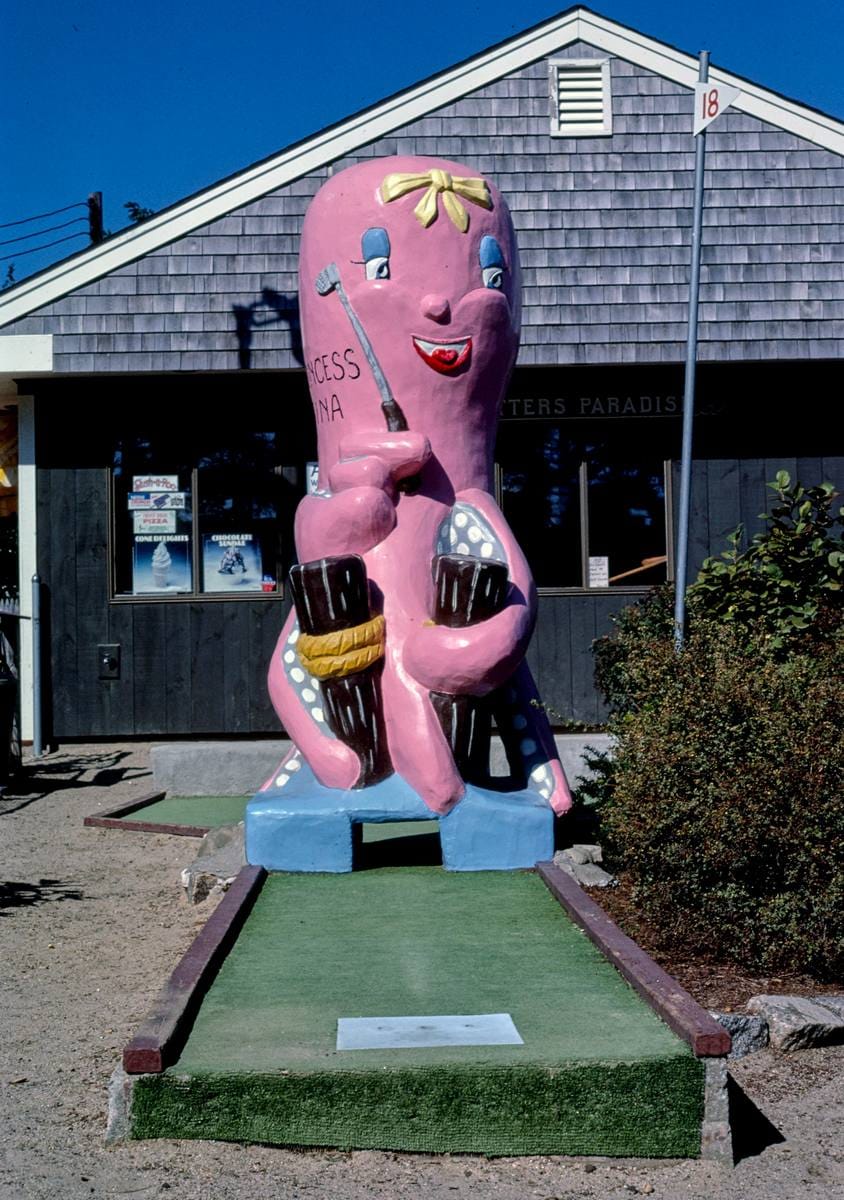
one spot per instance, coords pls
(91, 922)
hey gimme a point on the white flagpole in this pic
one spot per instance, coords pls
(689, 391)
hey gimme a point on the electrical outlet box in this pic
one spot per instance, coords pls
(108, 658)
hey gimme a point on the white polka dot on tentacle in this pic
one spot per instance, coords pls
(306, 687)
(540, 777)
(476, 530)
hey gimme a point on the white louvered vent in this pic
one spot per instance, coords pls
(581, 98)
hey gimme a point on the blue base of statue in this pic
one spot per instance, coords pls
(307, 827)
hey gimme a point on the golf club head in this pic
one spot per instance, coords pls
(327, 280)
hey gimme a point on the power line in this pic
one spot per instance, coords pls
(43, 216)
(20, 253)
(26, 237)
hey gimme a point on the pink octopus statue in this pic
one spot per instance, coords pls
(414, 604)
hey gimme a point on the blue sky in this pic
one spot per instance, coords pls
(155, 100)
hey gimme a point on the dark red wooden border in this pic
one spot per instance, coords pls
(112, 818)
(673, 1003)
(163, 1032)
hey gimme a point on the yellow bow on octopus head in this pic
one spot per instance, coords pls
(436, 181)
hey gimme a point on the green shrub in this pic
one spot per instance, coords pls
(619, 672)
(787, 585)
(790, 579)
(725, 797)
(727, 806)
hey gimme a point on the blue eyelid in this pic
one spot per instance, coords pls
(375, 243)
(490, 252)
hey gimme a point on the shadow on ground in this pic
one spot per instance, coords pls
(39, 778)
(752, 1131)
(26, 895)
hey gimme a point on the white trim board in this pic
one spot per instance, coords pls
(25, 353)
(578, 24)
(27, 555)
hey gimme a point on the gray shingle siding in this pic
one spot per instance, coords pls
(604, 227)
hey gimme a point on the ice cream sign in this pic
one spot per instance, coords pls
(157, 500)
(154, 521)
(155, 483)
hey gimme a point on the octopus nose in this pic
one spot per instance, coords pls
(436, 308)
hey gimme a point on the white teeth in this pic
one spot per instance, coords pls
(430, 347)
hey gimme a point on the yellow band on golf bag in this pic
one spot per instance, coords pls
(334, 655)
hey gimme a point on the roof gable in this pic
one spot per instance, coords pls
(329, 145)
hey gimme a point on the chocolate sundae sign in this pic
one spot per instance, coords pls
(231, 562)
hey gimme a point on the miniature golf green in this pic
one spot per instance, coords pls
(198, 811)
(598, 1073)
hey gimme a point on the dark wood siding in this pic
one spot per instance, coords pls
(727, 493)
(199, 666)
(187, 666)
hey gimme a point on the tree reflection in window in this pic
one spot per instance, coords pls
(540, 500)
(587, 507)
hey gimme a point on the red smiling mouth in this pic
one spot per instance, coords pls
(443, 356)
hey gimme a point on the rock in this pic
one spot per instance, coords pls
(579, 854)
(749, 1034)
(593, 853)
(834, 1003)
(587, 874)
(220, 838)
(221, 855)
(574, 855)
(795, 1023)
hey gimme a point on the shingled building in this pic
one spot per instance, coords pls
(167, 359)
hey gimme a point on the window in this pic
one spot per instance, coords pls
(587, 507)
(201, 511)
(581, 97)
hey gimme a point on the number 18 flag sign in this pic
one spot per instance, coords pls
(710, 101)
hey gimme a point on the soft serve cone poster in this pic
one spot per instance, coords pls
(161, 564)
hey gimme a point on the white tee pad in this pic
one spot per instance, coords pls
(395, 1033)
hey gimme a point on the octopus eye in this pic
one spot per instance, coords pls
(375, 244)
(378, 268)
(492, 263)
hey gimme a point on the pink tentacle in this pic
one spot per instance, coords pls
(333, 763)
(418, 747)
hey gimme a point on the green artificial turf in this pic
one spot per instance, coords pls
(380, 831)
(209, 811)
(598, 1072)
